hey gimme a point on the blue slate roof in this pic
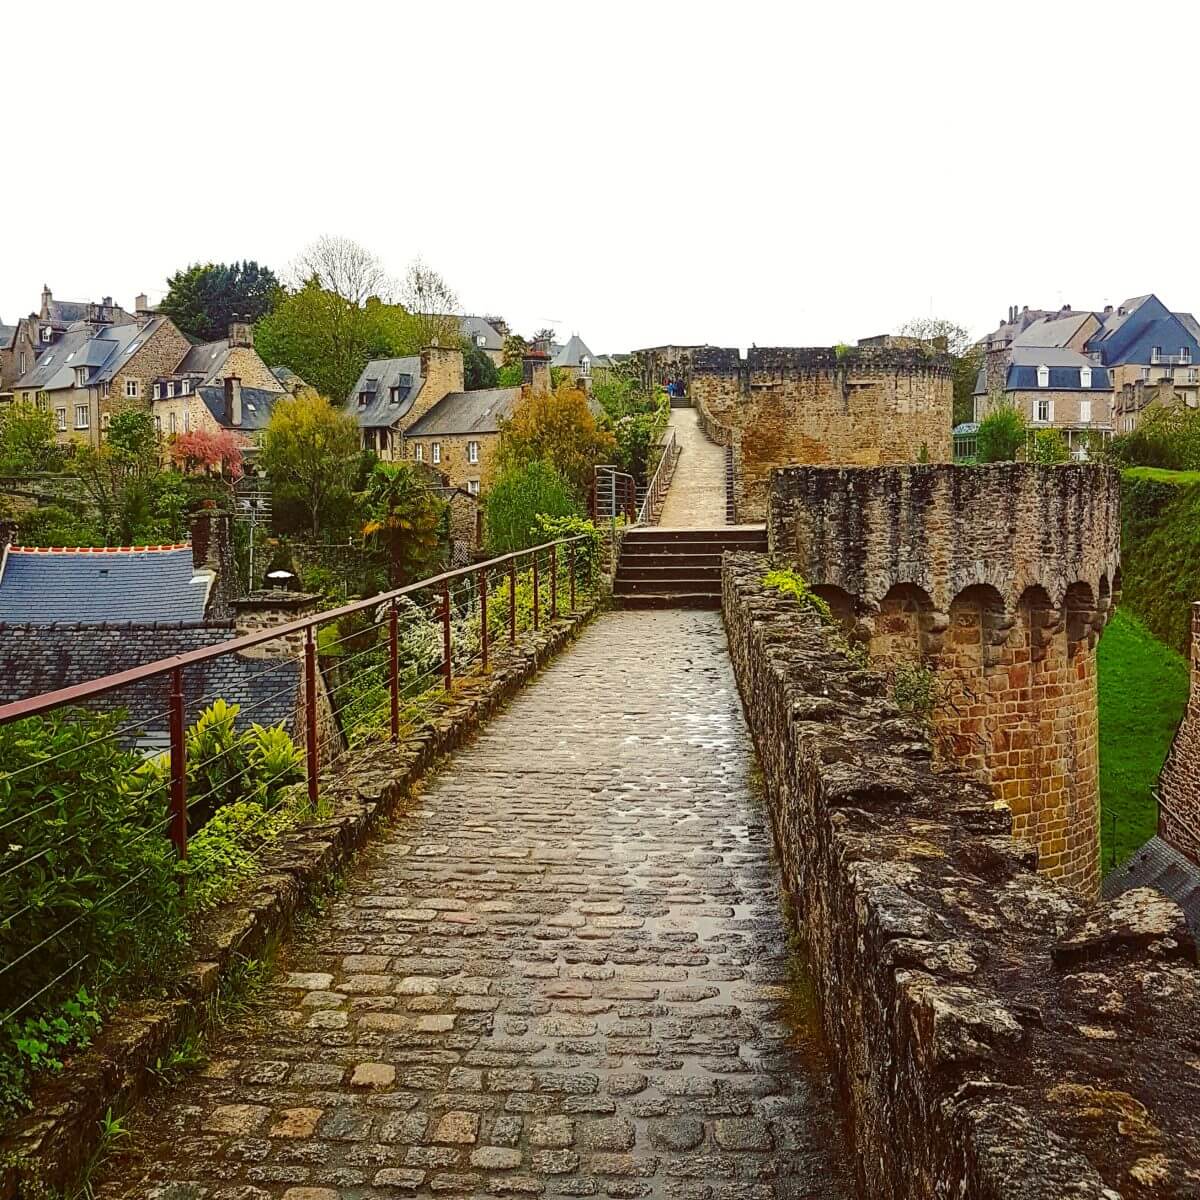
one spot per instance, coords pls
(373, 403)
(114, 585)
(257, 406)
(38, 658)
(1064, 379)
(1130, 334)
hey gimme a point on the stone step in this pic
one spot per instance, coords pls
(669, 600)
(664, 556)
(729, 535)
(669, 583)
(627, 569)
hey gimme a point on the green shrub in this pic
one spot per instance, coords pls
(915, 689)
(1049, 447)
(792, 583)
(87, 886)
(518, 499)
(587, 552)
(1001, 434)
(1166, 437)
(55, 525)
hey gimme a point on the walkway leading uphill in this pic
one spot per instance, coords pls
(696, 497)
(565, 972)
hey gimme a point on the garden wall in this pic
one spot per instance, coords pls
(1179, 784)
(996, 1037)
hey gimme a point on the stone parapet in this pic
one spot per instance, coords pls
(1179, 784)
(995, 1036)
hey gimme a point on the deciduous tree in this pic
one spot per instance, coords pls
(311, 452)
(27, 441)
(967, 357)
(431, 303)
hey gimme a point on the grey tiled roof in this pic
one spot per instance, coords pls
(480, 411)
(378, 378)
(1052, 332)
(257, 405)
(7, 334)
(207, 359)
(1157, 864)
(474, 326)
(39, 658)
(98, 585)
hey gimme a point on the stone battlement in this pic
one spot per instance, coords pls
(995, 1036)
(1000, 579)
(805, 360)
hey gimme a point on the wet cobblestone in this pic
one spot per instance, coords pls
(564, 973)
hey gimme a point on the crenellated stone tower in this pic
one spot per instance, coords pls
(1000, 579)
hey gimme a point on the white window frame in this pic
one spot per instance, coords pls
(1145, 374)
(1085, 377)
(83, 417)
(172, 423)
(1046, 404)
(133, 389)
(158, 391)
(60, 420)
(23, 367)
(1085, 412)
(46, 333)
(1043, 376)
(170, 389)
(81, 376)
(436, 454)
(472, 452)
(418, 453)
(186, 386)
(473, 487)
(187, 420)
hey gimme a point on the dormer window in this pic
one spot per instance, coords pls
(1185, 355)
(394, 395)
(1085, 377)
(480, 340)
(1043, 376)
(186, 387)
(81, 376)
(45, 333)
(363, 397)
(158, 391)
(170, 388)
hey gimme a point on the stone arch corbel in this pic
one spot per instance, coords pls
(1082, 617)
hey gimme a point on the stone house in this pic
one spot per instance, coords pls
(460, 435)
(1139, 398)
(577, 361)
(486, 334)
(1054, 388)
(393, 393)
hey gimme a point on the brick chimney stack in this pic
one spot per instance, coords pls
(536, 371)
(141, 303)
(233, 400)
(241, 333)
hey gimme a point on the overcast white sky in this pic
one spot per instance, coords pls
(786, 174)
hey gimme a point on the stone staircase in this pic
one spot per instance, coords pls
(678, 568)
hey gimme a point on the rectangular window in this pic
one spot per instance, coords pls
(158, 424)
(187, 421)
(1085, 411)
(1044, 410)
(83, 416)
(104, 421)
(60, 418)
(43, 401)
(105, 389)
(472, 452)
(45, 333)
(437, 452)
(473, 486)
(132, 389)
(418, 453)
(81, 376)
(170, 388)
(23, 367)
(171, 423)
(158, 391)
(1145, 374)
(1043, 376)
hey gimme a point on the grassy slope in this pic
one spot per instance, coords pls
(1160, 550)
(1143, 690)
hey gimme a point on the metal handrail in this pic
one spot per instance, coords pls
(659, 480)
(618, 498)
(33, 705)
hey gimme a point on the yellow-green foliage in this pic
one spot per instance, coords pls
(792, 583)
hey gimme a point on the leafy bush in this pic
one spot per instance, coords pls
(915, 689)
(87, 885)
(53, 525)
(1168, 438)
(792, 583)
(587, 553)
(1001, 434)
(1049, 447)
(519, 499)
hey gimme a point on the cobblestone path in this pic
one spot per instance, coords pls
(696, 497)
(563, 972)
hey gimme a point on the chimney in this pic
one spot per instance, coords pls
(233, 400)
(1108, 310)
(107, 302)
(212, 551)
(141, 303)
(241, 333)
(536, 372)
(47, 296)
(1066, 308)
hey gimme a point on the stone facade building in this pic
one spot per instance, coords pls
(998, 578)
(778, 407)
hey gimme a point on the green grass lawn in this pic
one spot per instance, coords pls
(1143, 690)
(1161, 475)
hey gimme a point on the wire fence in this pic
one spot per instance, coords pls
(131, 802)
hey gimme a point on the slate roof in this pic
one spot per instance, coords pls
(480, 411)
(1157, 864)
(573, 353)
(378, 378)
(1064, 365)
(104, 350)
(7, 335)
(1051, 333)
(473, 326)
(39, 658)
(257, 405)
(206, 359)
(117, 586)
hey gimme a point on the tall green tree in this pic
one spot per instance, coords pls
(1001, 433)
(311, 452)
(478, 370)
(205, 298)
(27, 441)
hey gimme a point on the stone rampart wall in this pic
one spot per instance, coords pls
(1179, 785)
(995, 1036)
(998, 578)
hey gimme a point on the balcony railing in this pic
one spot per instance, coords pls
(1182, 359)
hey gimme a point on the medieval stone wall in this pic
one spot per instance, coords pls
(996, 1038)
(1179, 784)
(1000, 580)
(786, 406)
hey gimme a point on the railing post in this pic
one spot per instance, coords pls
(394, 670)
(178, 730)
(447, 660)
(554, 581)
(536, 589)
(483, 625)
(512, 601)
(312, 757)
(572, 576)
